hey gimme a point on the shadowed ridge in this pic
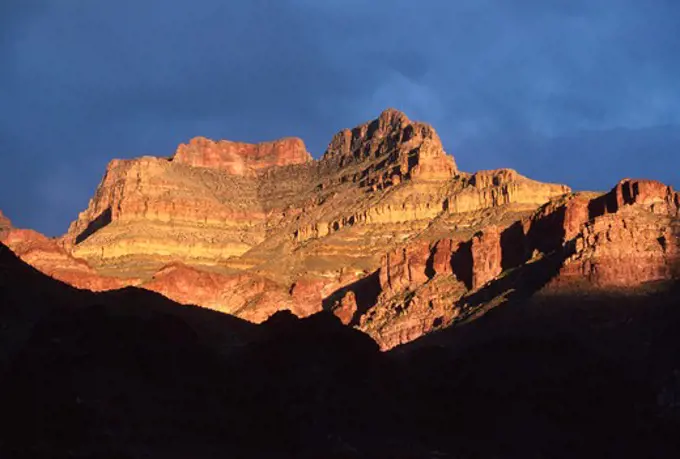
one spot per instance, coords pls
(28, 296)
(110, 375)
(323, 327)
(130, 369)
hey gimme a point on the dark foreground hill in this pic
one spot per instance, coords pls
(130, 374)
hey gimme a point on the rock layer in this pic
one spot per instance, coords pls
(241, 158)
(630, 238)
(49, 257)
(383, 230)
(626, 238)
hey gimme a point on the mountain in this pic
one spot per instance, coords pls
(381, 304)
(384, 231)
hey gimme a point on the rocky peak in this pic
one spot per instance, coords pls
(392, 148)
(239, 158)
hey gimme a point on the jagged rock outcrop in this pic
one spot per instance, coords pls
(391, 148)
(654, 196)
(622, 239)
(346, 308)
(631, 237)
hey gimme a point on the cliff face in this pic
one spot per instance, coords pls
(153, 211)
(242, 159)
(626, 239)
(631, 237)
(383, 229)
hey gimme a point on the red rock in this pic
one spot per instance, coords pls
(623, 239)
(242, 158)
(486, 256)
(624, 250)
(307, 295)
(48, 256)
(346, 308)
(443, 253)
(405, 148)
(655, 196)
(658, 197)
(405, 268)
(384, 230)
(247, 295)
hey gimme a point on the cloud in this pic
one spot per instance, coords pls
(83, 82)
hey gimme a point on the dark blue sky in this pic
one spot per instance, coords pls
(581, 92)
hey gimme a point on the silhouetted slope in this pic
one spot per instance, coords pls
(131, 374)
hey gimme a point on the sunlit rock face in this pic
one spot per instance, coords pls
(632, 236)
(152, 211)
(626, 239)
(239, 158)
(384, 230)
(48, 256)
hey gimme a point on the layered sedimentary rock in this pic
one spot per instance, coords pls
(494, 188)
(239, 214)
(626, 238)
(383, 230)
(403, 148)
(153, 211)
(235, 294)
(48, 256)
(239, 158)
(632, 236)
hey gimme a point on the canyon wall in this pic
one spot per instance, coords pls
(383, 229)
